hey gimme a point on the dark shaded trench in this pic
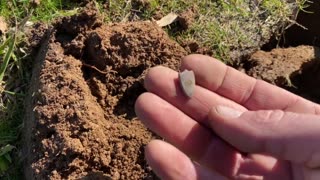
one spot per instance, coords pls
(306, 32)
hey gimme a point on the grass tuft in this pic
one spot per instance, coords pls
(224, 26)
(15, 73)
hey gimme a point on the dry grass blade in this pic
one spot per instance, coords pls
(11, 43)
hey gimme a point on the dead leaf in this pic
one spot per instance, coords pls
(167, 20)
(3, 25)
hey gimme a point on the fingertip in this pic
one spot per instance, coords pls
(227, 112)
(212, 112)
(214, 118)
(229, 124)
(156, 153)
(222, 113)
(150, 150)
(153, 146)
(138, 102)
(152, 75)
(168, 162)
(140, 105)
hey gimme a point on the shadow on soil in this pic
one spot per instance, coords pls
(309, 19)
(303, 81)
(307, 32)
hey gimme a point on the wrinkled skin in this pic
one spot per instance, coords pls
(233, 127)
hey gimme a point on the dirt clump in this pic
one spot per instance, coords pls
(35, 35)
(187, 18)
(296, 69)
(81, 121)
(193, 47)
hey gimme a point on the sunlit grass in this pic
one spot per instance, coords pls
(221, 25)
(15, 73)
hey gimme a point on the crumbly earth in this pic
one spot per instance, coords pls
(296, 69)
(81, 122)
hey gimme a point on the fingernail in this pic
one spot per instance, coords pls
(227, 112)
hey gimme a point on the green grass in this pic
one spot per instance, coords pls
(46, 11)
(220, 25)
(15, 73)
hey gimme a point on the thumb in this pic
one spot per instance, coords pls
(284, 135)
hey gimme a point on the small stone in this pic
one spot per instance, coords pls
(187, 82)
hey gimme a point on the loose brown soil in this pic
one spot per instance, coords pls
(187, 18)
(81, 122)
(296, 69)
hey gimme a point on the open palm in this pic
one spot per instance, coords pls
(262, 144)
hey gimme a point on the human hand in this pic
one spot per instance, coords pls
(263, 132)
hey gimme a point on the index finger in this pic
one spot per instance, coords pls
(251, 93)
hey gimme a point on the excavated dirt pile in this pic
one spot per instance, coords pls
(81, 122)
(296, 69)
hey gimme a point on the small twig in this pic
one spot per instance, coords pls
(95, 68)
(293, 22)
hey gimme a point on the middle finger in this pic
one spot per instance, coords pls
(165, 83)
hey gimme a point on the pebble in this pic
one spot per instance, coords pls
(187, 82)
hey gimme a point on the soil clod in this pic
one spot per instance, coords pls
(82, 107)
(296, 69)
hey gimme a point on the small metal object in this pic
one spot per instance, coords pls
(187, 82)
